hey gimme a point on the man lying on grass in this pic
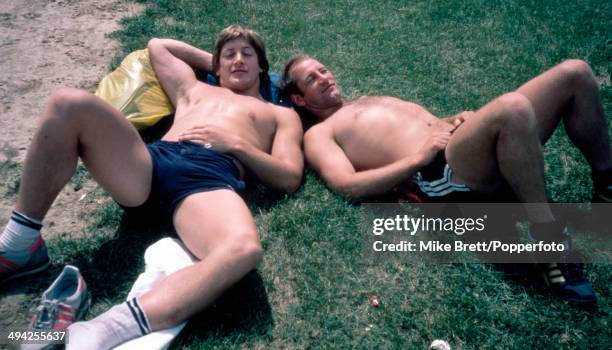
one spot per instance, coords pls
(368, 146)
(219, 133)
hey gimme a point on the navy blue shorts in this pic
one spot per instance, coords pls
(184, 168)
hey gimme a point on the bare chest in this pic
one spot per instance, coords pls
(373, 135)
(248, 118)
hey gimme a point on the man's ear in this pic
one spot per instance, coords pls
(298, 100)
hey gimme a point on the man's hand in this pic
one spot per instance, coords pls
(213, 137)
(436, 143)
(460, 118)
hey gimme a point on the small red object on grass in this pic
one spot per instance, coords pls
(374, 300)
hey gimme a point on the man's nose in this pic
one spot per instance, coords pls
(239, 58)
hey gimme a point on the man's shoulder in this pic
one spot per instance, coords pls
(282, 111)
(203, 88)
(320, 129)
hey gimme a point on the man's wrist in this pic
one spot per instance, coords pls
(413, 164)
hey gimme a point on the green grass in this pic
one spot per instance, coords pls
(311, 289)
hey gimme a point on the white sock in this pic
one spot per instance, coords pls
(119, 324)
(20, 233)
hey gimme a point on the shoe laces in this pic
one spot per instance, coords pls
(46, 314)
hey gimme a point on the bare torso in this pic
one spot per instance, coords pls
(250, 118)
(247, 117)
(374, 131)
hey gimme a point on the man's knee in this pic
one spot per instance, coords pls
(65, 102)
(578, 72)
(516, 109)
(245, 248)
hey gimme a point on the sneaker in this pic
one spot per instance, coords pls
(63, 303)
(565, 277)
(16, 264)
(568, 281)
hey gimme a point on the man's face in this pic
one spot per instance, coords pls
(317, 85)
(238, 65)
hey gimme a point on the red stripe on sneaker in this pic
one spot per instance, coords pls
(65, 318)
(66, 309)
(81, 287)
(36, 245)
(9, 263)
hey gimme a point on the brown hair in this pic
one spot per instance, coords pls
(289, 87)
(236, 31)
(289, 84)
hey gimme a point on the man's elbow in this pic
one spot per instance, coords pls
(153, 43)
(156, 44)
(349, 189)
(292, 182)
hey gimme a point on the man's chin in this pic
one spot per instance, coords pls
(334, 98)
(240, 85)
(335, 93)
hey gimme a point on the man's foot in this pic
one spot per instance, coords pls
(16, 264)
(63, 303)
(568, 281)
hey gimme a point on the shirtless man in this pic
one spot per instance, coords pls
(368, 146)
(218, 134)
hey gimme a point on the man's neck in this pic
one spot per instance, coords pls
(253, 91)
(324, 113)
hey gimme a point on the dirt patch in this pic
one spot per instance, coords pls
(45, 45)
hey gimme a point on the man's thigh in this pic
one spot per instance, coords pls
(112, 150)
(206, 220)
(549, 94)
(472, 152)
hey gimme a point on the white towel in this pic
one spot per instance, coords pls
(162, 258)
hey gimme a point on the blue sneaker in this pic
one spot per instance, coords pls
(63, 303)
(16, 264)
(568, 281)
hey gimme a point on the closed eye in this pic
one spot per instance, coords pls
(229, 53)
(309, 79)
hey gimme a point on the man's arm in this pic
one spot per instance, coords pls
(329, 160)
(282, 169)
(173, 62)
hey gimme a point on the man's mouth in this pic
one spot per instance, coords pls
(239, 71)
(328, 87)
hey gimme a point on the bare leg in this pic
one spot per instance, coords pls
(501, 142)
(77, 124)
(570, 91)
(218, 228)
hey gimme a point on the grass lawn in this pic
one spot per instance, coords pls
(311, 291)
